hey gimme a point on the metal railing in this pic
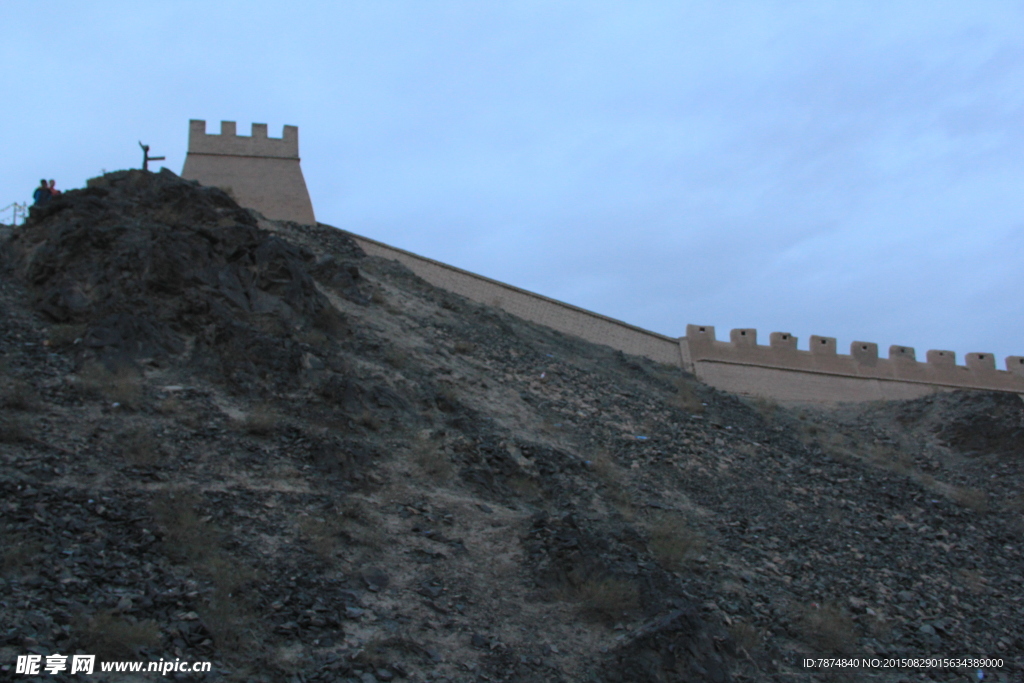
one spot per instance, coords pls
(18, 212)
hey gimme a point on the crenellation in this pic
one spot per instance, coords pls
(823, 346)
(780, 370)
(865, 353)
(782, 340)
(229, 143)
(743, 337)
(700, 334)
(902, 353)
(943, 358)
(981, 361)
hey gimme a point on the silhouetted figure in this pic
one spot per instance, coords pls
(54, 192)
(146, 158)
(42, 196)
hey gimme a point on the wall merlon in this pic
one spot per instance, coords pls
(943, 357)
(782, 340)
(700, 334)
(823, 346)
(1015, 364)
(981, 361)
(743, 337)
(902, 353)
(865, 353)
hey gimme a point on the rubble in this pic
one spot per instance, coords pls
(230, 439)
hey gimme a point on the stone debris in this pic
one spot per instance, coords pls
(320, 468)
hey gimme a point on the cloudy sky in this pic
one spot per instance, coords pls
(850, 169)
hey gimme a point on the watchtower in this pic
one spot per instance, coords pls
(259, 172)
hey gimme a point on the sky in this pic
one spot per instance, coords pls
(845, 169)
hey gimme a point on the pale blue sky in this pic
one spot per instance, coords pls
(850, 169)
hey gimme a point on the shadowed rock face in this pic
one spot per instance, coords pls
(152, 264)
(231, 439)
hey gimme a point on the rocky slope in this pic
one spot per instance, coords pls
(230, 439)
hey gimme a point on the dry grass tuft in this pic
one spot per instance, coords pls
(464, 347)
(686, 396)
(746, 636)
(261, 421)
(607, 599)
(121, 385)
(430, 458)
(828, 628)
(321, 535)
(13, 429)
(191, 539)
(139, 447)
(17, 553)
(185, 534)
(396, 358)
(18, 394)
(767, 408)
(113, 637)
(172, 405)
(370, 421)
(315, 338)
(63, 336)
(974, 499)
(526, 488)
(604, 467)
(674, 541)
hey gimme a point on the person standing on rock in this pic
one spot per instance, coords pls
(54, 192)
(42, 195)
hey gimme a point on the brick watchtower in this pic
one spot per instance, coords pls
(261, 173)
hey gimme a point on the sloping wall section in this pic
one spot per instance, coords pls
(264, 173)
(778, 371)
(260, 172)
(534, 307)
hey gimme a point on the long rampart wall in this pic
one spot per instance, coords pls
(555, 314)
(260, 172)
(778, 370)
(783, 372)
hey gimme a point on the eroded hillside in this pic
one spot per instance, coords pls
(242, 441)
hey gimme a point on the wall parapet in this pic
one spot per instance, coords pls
(229, 143)
(558, 315)
(863, 362)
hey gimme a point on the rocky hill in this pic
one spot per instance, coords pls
(229, 439)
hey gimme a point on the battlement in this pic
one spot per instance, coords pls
(259, 171)
(863, 362)
(228, 142)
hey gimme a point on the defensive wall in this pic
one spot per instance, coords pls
(540, 309)
(821, 374)
(778, 370)
(264, 173)
(258, 171)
